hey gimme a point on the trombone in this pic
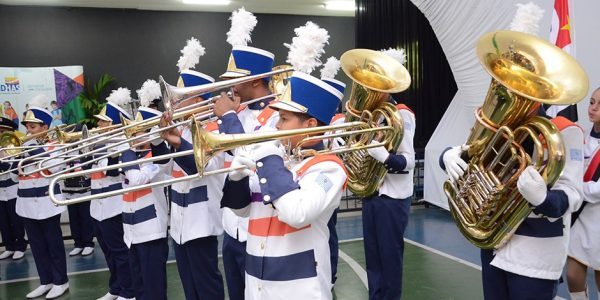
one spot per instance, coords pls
(208, 144)
(205, 117)
(171, 96)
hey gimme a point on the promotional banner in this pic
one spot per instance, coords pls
(55, 88)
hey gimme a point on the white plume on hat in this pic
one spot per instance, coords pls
(39, 100)
(149, 91)
(307, 47)
(397, 54)
(120, 96)
(242, 24)
(527, 18)
(190, 54)
(330, 68)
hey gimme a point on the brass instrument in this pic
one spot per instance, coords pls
(65, 137)
(207, 145)
(171, 96)
(485, 202)
(375, 75)
(11, 143)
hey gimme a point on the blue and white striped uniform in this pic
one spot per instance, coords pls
(41, 219)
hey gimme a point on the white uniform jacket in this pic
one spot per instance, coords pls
(538, 248)
(288, 254)
(108, 181)
(195, 204)
(252, 119)
(145, 212)
(9, 183)
(585, 233)
(32, 197)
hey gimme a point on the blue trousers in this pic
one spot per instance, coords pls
(110, 237)
(234, 263)
(384, 222)
(499, 284)
(11, 227)
(198, 266)
(333, 245)
(148, 263)
(80, 222)
(48, 248)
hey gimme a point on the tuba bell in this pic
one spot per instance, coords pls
(526, 72)
(375, 75)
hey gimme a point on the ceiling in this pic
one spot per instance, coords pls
(295, 7)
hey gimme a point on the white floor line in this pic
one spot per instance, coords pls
(444, 254)
(360, 272)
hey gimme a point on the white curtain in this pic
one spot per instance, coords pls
(458, 24)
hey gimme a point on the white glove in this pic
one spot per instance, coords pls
(262, 150)
(455, 166)
(156, 139)
(239, 161)
(378, 153)
(151, 170)
(532, 186)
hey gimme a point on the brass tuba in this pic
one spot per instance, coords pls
(527, 71)
(375, 75)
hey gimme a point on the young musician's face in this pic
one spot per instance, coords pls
(289, 120)
(245, 90)
(594, 108)
(188, 102)
(3, 130)
(102, 123)
(33, 128)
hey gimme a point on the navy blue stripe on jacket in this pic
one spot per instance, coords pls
(188, 162)
(139, 216)
(110, 188)
(290, 267)
(540, 228)
(36, 192)
(7, 183)
(196, 195)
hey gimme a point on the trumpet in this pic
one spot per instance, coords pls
(208, 144)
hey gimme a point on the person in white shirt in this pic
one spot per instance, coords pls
(529, 265)
(288, 255)
(40, 216)
(584, 246)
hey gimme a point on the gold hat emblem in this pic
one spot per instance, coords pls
(232, 67)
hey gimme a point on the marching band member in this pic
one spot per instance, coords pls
(145, 217)
(385, 213)
(40, 216)
(584, 246)
(288, 254)
(195, 209)
(11, 225)
(80, 221)
(529, 265)
(107, 212)
(243, 61)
